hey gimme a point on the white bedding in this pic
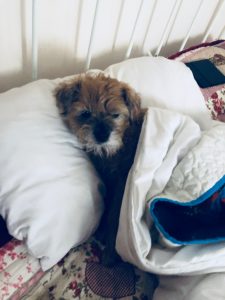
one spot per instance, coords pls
(178, 161)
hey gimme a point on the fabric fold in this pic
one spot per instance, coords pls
(174, 160)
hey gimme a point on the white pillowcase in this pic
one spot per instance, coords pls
(164, 83)
(49, 192)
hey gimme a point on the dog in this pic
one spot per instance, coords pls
(106, 116)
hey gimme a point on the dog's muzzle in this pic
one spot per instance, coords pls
(101, 132)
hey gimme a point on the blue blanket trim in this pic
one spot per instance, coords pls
(219, 184)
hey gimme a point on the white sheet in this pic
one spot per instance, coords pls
(166, 140)
(200, 287)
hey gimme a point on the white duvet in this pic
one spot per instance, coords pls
(175, 160)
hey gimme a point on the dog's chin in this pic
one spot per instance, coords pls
(108, 148)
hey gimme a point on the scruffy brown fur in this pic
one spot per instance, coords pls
(106, 116)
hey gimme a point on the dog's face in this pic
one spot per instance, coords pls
(98, 110)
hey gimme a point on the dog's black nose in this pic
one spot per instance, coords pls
(101, 132)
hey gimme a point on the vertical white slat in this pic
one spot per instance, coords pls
(148, 27)
(177, 10)
(213, 20)
(191, 26)
(91, 41)
(118, 24)
(169, 24)
(221, 34)
(131, 42)
(34, 54)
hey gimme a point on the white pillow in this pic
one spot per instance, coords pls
(49, 192)
(164, 83)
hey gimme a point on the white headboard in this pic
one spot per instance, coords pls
(52, 38)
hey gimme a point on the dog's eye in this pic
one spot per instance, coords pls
(85, 114)
(115, 116)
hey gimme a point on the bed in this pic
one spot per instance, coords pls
(78, 274)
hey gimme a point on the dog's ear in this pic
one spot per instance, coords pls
(132, 101)
(66, 94)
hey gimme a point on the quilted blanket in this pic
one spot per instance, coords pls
(172, 219)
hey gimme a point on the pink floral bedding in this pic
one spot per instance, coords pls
(18, 270)
(77, 276)
(216, 104)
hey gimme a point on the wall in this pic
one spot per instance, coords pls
(64, 28)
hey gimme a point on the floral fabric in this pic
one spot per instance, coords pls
(214, 96)
(18, 270)
(78, 276)
(216, 104)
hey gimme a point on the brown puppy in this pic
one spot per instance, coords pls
(106, 116)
